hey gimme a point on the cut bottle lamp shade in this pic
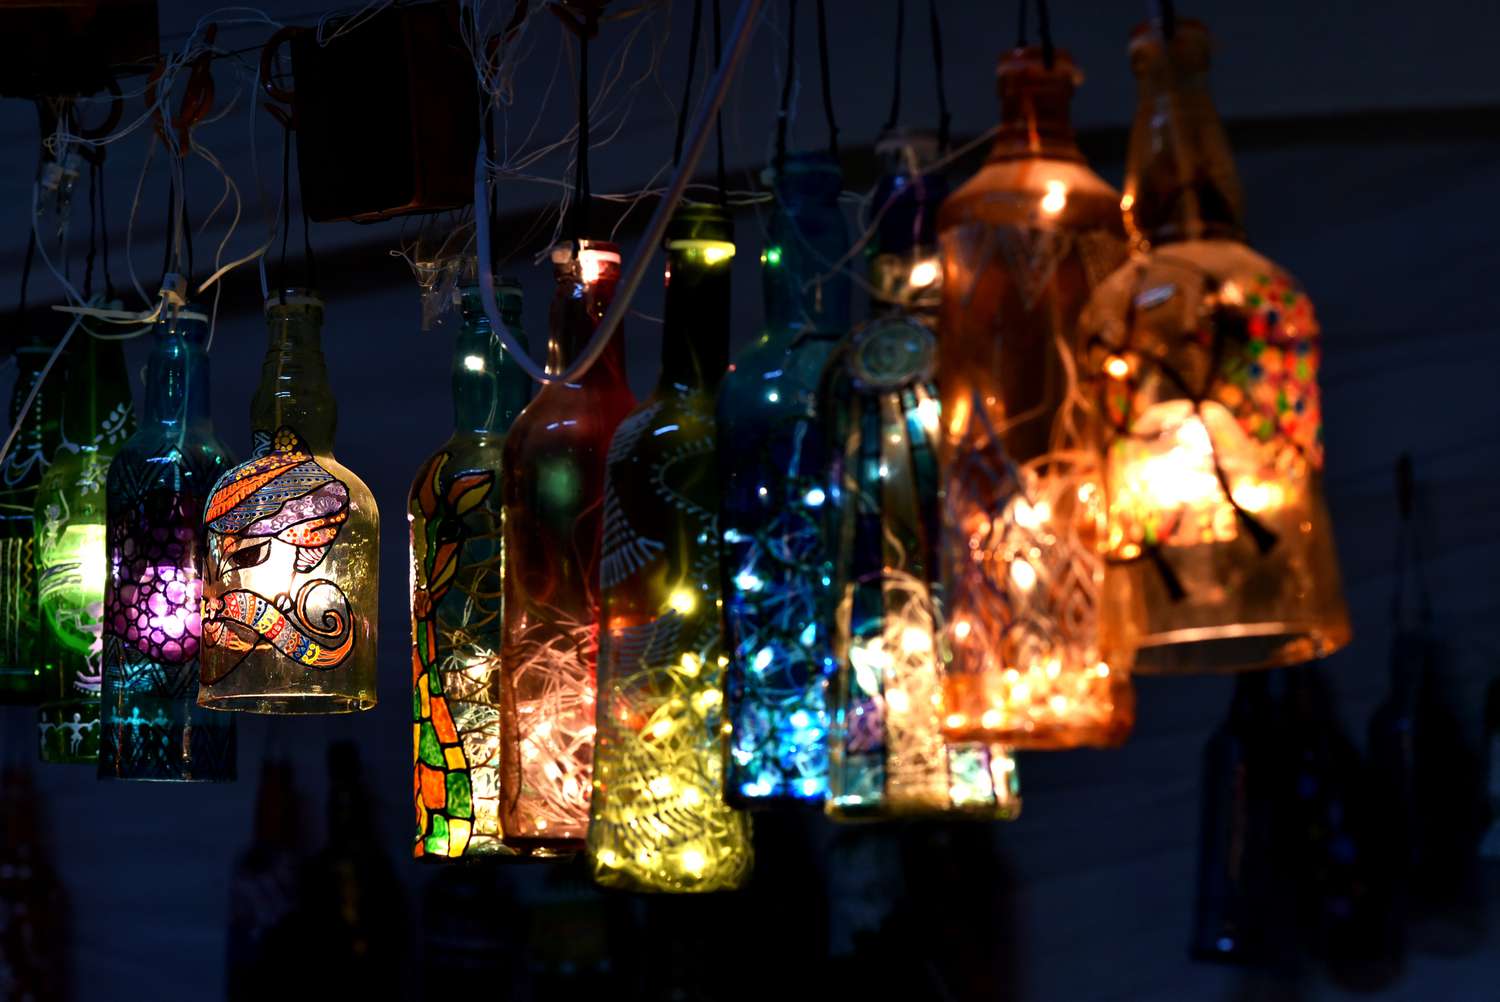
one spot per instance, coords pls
(151, 725)
(289, 597)
(1203, 359)
(1024, 242)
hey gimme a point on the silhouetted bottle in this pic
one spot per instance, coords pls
(1235, 844)
(33, 905)
(263, 890)
(1490, 847)
(352, 913)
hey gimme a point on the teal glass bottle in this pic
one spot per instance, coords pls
(658, 821)
(97, 417)
(20, 478)
(772, 470)
(457, 560)
(151, 726)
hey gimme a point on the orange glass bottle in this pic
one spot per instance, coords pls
(1024, 242)
(1203, 362)
(553, 491)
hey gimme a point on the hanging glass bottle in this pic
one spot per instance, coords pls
(36, 438)
(1203, 357)
(289, 596)
(658, 819)
(774, 493)
(70, 558)
(1024, 241)
(151, 726)
(454, 515)
(888, 755)
(554, 516)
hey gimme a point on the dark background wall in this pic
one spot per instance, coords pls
(1386, 214)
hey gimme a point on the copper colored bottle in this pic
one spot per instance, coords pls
(1024, 241)
(553, 515)
(1202, 362)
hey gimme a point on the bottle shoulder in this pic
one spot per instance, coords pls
(1035, 191)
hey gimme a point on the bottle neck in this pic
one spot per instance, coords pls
(1180, 181)
(96, 411)
(695, 327)
(294, 391)
(177, 382)
(489, 389)
(1036, 107)
(577, 308)
(801, 282)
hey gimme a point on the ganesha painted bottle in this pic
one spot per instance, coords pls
(554, 518)
(291, 579)
(151, 726)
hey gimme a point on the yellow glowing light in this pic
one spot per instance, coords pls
(661, 786)
(541, 824)
(693, 861)
(1056, 198)
(928, 412)
(915, 640)
(962, 629)
(474, 363)
(960, 417)
(991, 719)
(1023, 574)
(923, 274)
(896, 701)
(661, 729)
(1127, 202)
(1258, 495)
(712, 251)
(682, 601)
(1029, 516)
(954, 721)
(608, 857)
(1116, 367)
(692, 664)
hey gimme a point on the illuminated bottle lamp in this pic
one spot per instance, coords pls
(291, 577)
(457, 565)
(151, 726)
(35, 443)
(774, 497)
(554, 519)
(658, 820)
(1024, 242)
(888, 754)
(70, 558)
(1203, 359)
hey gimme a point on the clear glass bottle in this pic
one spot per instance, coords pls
(454, 516)
(554, 518)
(772, 468)
(20, 617)
(1202, 358)
(880, 410)
(158, 484)
(70, 516)
(291, 583)
(1024, 241)
(658, 818)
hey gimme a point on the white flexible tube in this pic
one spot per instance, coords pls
(739, 43)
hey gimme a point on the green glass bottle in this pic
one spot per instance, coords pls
(457, 564)
(97, 417)
(658, 817)
(20, 477)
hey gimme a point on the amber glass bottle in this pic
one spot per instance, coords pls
(290, 585)
(659, 821)
(554, 516)
(1024, 241)
(1202, 358)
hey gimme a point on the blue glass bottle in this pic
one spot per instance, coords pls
(772, 468)
(150, 724)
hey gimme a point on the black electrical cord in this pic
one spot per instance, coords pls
(581, 193)
(895, 113)
(945, 118)
(687, 88)
(721, 176)
(823, 71)
(783, 113)
(1166, 16)
(1021, 25)
(98, 180)
(1044, 29)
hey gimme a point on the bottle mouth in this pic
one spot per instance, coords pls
(294, 297)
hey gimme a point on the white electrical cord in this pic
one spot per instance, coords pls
(739, 43)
